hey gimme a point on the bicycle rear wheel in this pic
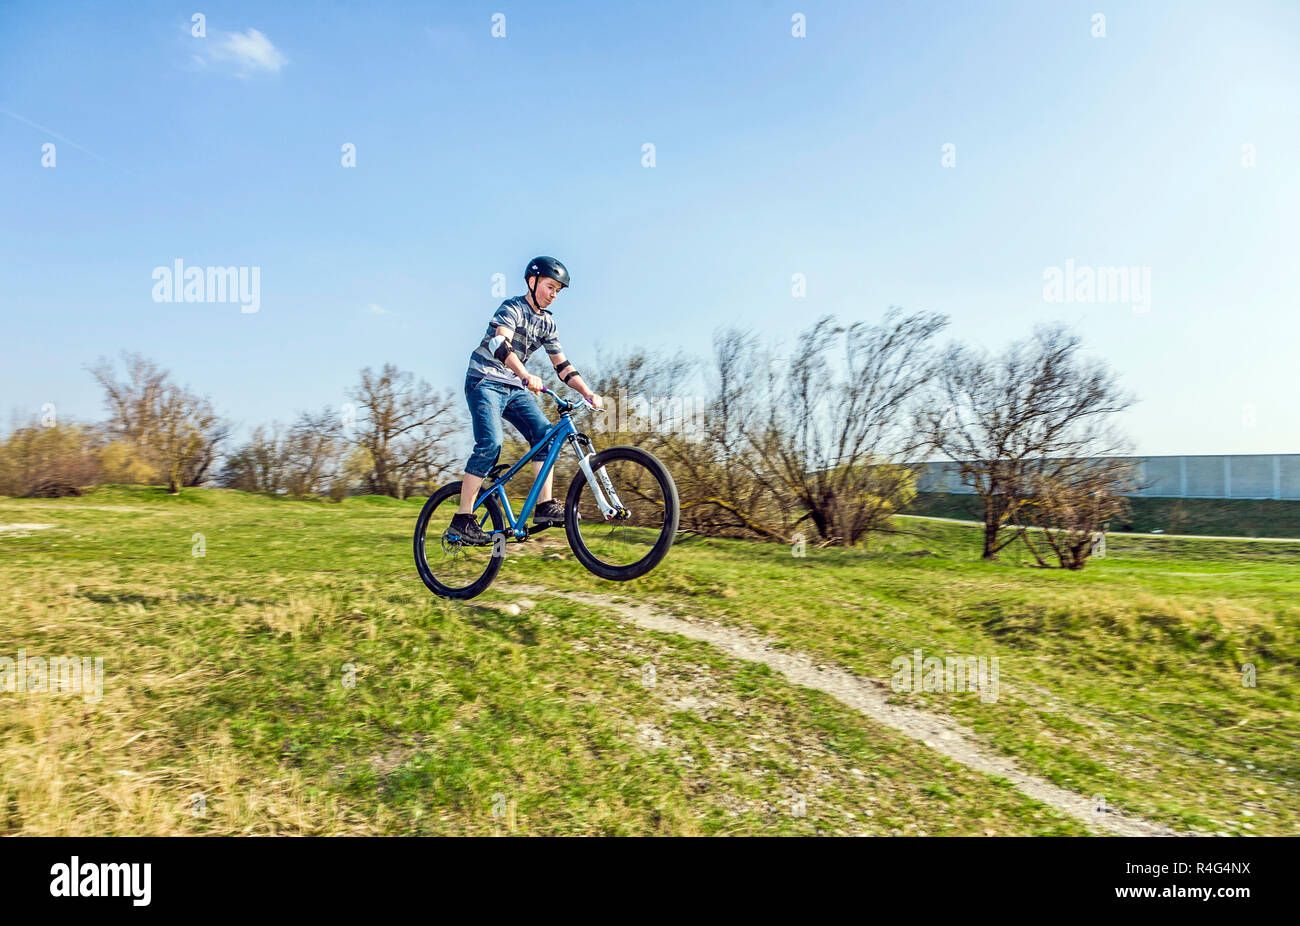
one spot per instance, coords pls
(640, 535)
(448, 568)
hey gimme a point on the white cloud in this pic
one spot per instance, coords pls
(250, 52)
(374, 309)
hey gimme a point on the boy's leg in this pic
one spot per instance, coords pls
(545, 493)
(469, 486)
(522, 411)
(485, 415)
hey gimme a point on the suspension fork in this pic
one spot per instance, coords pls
(610, 509)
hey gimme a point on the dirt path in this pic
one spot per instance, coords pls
(942, 734)
(23, 528)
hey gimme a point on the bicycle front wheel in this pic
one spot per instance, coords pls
(449, 568)
(638, 536)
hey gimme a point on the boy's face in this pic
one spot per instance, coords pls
(546, 292)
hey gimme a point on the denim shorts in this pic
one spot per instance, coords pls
(491, 401)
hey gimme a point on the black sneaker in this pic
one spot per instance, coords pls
(467, 527)
(548, 513)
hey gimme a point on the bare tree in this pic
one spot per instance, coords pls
(817, 436)
(730, 489)
(186, 436)
(406, 428)
(176, 428)
(313, 453)
(133, 403)
(733, 492)
(1014, 423)
(258, 465)
(1071, 503)
(304, 459)
(652, 405)
(208, 432)
(39, 461)
(833, 433)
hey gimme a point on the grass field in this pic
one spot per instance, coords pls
(297, 678)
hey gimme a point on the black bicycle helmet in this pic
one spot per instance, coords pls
(547, 267)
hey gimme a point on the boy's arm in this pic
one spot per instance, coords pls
(509, 357)
(571, 378)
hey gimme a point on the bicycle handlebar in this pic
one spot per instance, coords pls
(565, 405)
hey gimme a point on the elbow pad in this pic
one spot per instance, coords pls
(499, 347)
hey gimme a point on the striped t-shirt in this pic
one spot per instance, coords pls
(530, 329)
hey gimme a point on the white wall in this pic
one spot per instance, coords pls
(1228, 476)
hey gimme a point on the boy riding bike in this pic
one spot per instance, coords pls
(494, 390)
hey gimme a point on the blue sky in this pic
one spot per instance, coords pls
(775, 155)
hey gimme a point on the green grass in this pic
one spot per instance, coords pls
(225, 677)
(1124, 680)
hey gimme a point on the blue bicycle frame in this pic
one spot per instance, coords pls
(562, 432)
